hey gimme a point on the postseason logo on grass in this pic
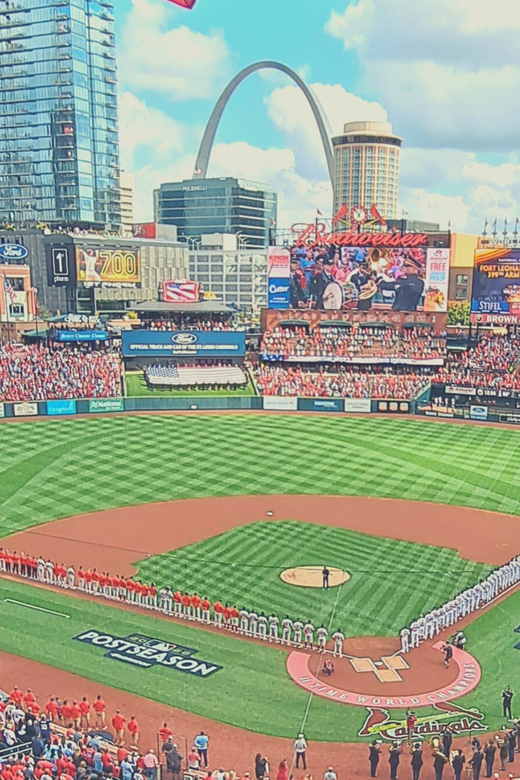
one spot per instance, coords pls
(145, 651)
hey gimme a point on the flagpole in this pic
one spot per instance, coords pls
(8, 322)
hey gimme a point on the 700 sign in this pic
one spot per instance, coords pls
(107, 266)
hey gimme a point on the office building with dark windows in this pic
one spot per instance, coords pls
(59, 146)
(224, 205)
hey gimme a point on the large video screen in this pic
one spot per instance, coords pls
(496, 286)
(388, 278)
(117, 267)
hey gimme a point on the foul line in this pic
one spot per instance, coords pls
(320, 664)
(33, 606)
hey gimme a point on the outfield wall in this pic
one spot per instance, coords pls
(67, 408)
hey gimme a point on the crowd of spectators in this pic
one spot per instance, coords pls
(193, 322)
(342, 382)
(493, 363)
(352, 342)
(40, 373)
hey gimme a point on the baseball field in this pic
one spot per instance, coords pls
(222, 505)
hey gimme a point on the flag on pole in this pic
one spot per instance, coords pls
(180, 291)
(183, 3)
(9, 290)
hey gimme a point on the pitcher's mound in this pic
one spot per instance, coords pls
(311, 576)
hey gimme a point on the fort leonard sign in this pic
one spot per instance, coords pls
(145, 651)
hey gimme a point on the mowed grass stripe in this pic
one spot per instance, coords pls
(243, 567)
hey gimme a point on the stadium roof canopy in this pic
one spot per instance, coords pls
(202, 307)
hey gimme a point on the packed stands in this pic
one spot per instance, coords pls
(195, 376)
(43, 373)
(192, 322)
(492, 363)
(352, 343)
(343, 382)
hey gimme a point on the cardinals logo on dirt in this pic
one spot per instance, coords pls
(378, 723)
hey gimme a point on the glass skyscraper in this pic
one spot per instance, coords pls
(223, 205)
(59, 145)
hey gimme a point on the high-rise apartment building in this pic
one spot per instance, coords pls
(221, 205)
(366, 167)
(127, 183)
(59, 147)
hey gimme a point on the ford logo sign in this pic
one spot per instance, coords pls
(184, 338)
(13, 252)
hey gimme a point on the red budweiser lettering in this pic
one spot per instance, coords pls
(310, 237)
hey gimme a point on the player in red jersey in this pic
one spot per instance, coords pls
(227, 615)
(88, 581)
(186, 604)
(152, 597)
(195, 603)
(177, 602)
(81, 578)
(206, 607)
(218, 609)
(235, 618)
(95, 582)
(130, 590)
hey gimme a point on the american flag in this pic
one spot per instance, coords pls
(180, 292)
(8, 287)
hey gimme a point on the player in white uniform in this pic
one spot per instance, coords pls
(262, 626)
(298, 628)
(71, 578)
(40, 564)
(338, 638)
(244, 621)
(414, 628)
(49, 576)
(273, 627)
(253, 624)
(308, 635)
(287, 625)
(405, 640)
(323, 635)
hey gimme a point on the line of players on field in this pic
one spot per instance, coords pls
(182, 605)
(471, 599)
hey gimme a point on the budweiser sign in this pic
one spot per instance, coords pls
(313, 235)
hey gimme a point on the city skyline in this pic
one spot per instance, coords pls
(364, 60)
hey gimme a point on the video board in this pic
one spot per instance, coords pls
(108, 267)
(495, 297)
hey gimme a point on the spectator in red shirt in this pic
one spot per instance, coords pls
(99, 708)
(118, 724)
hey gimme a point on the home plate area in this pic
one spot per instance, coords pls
(375, 673)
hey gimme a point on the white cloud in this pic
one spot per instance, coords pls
(449, 69)
(174, 61)
(289, 110)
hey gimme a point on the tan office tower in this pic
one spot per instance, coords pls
(366, 168)
(127, 185)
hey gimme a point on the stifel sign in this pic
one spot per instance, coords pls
(311, 237)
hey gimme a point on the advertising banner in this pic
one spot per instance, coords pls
(478, 412)
(193, 343)
(25, 409)
(278, 278)
(437, 279)
(361, 405)
(2, 409)
(278, 293)
(280, 404)
(144, 230)
(397, 278)
(106, 405)
(118, 267)
(61, 271)
(320, 405)
(13, 252)
(81, 335)
(396, 319)
(61, 407)
(181, 291)
(495, 295)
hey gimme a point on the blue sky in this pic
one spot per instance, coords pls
(444, 72)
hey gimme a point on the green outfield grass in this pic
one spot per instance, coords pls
(243, 566)
(58, 468)
(252, 691)
(136, 386)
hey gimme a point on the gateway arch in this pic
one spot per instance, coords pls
(201, 166)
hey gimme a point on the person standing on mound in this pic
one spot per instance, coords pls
(325, 576)
(448, 654)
